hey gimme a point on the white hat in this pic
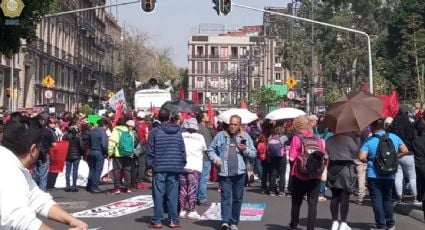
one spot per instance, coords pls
(141, 114)
(388, 120)
(130, 123)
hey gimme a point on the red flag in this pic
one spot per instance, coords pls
(243, 104)
(390, 107)
(118, 113)
(211, 113)
(195, 97)
(282, 104)
(181, 96)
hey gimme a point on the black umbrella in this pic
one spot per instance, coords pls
(185, 106)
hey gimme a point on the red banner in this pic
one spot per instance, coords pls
(390, 107)
(58, 156)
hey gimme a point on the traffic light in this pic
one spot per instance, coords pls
(225, 6)
(305, 83)
(216, 6)
(7, 92)
(148, 6)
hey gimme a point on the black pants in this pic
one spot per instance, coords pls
(420, 184)
(340, 201)
(278, 169)
(122, 163)
(265, 176)
(311, 188)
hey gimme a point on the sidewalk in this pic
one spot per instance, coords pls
(413, 211)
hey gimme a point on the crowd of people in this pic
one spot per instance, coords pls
(178, 154)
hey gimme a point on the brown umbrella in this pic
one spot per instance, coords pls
(352, 112)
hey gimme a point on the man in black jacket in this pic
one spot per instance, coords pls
(166, 158)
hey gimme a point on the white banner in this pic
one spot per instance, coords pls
(118, 208)
(117, 99)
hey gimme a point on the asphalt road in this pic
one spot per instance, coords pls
(276, 217)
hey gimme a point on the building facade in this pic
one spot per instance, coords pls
(224, 68)
(77, 50)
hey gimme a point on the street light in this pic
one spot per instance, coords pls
(324, 24)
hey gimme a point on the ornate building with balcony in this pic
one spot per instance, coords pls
(76, 49)
(225, 67)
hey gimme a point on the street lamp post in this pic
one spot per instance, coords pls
(324, 24)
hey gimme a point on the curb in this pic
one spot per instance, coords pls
(410, 210)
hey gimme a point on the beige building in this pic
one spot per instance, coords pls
(77, 50)
(225, 66)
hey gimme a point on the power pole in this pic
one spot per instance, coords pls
(312, 81)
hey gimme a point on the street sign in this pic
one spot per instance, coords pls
(291, 82)
(12, 8)
(290, 95)
(48, 81)
(48, 94)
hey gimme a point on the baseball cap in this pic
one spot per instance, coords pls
(190, 123)
(130, 123)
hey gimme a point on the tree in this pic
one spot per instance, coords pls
(265, 95)
(10, 36)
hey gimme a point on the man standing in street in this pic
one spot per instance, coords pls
(166, 158)
(229, 151)
(380, 186)
(21, 200)
(98, 151)
(203, 119)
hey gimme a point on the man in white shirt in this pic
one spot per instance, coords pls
(20, 198)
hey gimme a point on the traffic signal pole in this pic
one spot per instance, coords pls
(323, 24)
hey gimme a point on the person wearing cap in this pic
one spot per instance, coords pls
(119, 161)
(189, 179)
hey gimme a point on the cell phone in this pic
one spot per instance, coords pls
(243, 141)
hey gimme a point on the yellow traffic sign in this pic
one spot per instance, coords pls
(111, 94)
(291, 82)
(12, 8)
(48, 81)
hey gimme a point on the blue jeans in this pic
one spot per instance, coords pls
(95, 170)
(74, 166)
(40, 173)
(232, 189)
(165, 183)
(380, 191)
(203, 182)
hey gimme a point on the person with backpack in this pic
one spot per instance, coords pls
(307, 152)
(381, 151)
(342, 149)
(277, 158)
(120, 149)
(75, 153)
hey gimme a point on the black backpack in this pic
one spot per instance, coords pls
(386, 156)
(312, 161)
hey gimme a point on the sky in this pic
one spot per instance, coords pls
(173, 21)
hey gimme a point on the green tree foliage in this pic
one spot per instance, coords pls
(10, 36)
(265, 95)
(403, 50)
(85, 109)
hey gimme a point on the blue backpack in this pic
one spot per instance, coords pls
(275, 147)
(125, 143)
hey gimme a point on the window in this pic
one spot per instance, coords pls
(257, 83)
(199, 51)
(199, 67)
(214, 98)
(214, 67)
(234, 52)
(214, 51)
(199, 83)
(213, 83)
(224, 83)
(278, 77)
(224, 98)
(224, 52)
(224, 67)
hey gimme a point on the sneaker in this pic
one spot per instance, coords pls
(344, 226)
(193, 216)
(392, 228)
(359, 202)
(224, 226)
(322, 198)
(272, 194)
(174, 225)
(289, 195)
(290, 227)
(417, 202)
(335, 225)
(116, 191)
(152, 225)
(128, 190)
(281, 194)
(233, 227)
(183, 214)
